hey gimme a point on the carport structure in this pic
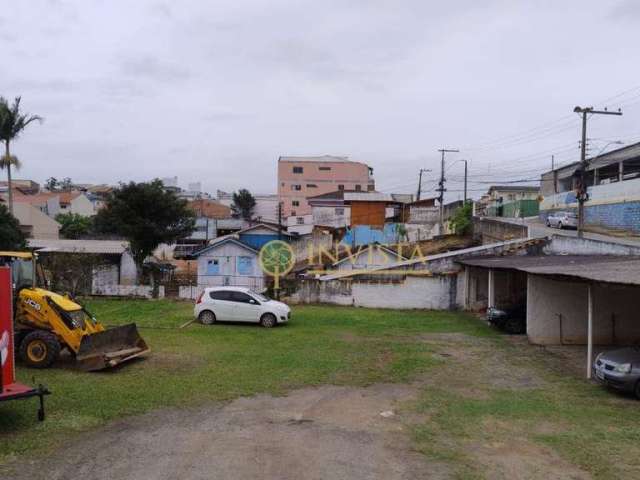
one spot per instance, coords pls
(570, 299)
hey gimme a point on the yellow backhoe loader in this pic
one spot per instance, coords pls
(47, 322)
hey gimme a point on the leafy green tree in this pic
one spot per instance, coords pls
(461, 221)
(51, 184)
(12, 123)
(11, 237)
(146, 215)
(73, 225)
(243, 204)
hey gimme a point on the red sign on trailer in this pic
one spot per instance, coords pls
(9, 388)
(6, 327)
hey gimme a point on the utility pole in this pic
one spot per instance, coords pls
(582, 187)
(420, 182)
(279, 220)
(465, 182)
(441, 188)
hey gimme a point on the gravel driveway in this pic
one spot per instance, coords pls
(327, 432)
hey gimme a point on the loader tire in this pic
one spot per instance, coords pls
(39, 349)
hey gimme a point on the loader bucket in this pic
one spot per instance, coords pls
(110, 348)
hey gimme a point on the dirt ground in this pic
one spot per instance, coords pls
(315, 433)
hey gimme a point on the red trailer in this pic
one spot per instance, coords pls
(9, 388)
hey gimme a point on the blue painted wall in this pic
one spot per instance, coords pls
(365, 234)
(257, 240)
(620, 216)
(617, 216)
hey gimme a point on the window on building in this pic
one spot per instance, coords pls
(312, 185)
(293, 213)
(371, 187)
(296, 187)
(213, 266)
(298, 170)
(340, 187)
(295, 203)
(300, 220)
(244, 265)
(609, 174)
(339, 211)
(324, 169)
(631, 169)
(358, 188)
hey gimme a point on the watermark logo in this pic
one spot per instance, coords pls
(276, 259)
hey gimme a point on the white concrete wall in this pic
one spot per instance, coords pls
(38, 223)
(189, 292)
(127, 291)
(104, 276)
(565, 245)
(326, 216)
(555, 305)
(82, 206)
(128, 270)
(412, 293)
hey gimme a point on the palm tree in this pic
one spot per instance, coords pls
(12, 123)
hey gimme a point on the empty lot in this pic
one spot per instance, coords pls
(338, 393)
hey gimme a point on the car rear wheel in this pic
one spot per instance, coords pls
(560, 225)
(39, 349)
(268, 320)
(207, 317)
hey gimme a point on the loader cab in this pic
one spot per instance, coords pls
(24, 271)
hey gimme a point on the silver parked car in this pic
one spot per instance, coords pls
(562, 220)
(619, 369)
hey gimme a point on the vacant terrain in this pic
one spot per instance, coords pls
(337, 393)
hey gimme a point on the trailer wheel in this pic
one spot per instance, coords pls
(39, 349)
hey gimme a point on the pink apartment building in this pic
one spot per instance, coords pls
(302, 177)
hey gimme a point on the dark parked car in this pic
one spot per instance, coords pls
(511, 320)
(619, 369)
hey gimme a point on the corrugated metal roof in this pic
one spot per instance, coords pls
(116, 247)
(520, 242)
(600, 268)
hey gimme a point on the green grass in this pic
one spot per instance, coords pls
(479, 390)
(587, 426)
(321, 345)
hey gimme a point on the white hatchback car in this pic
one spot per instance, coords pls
(238, 304)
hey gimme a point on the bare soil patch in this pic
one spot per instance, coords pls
(314, 433)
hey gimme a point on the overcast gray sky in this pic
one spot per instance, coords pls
(215, 91)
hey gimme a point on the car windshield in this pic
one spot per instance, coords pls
(259, 296)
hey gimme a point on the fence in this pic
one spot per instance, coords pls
(193, 291)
